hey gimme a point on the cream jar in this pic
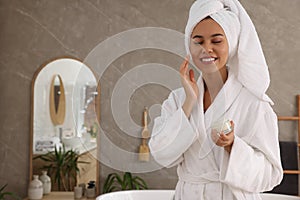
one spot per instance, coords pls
(222, 126)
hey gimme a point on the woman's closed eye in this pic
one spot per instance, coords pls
(216, 41)
(200, 42)
(197, 41)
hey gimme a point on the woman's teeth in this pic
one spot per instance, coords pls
(207, 59)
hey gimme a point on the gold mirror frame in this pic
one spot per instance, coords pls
(97, 108)
(57, 113)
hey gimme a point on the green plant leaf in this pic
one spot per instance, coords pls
(107, 187)
(128, 182)
(112, 189)
(62, 166)
(2, 188)
(127, 179)
(3, 194)
(120, 181)
(138, 181)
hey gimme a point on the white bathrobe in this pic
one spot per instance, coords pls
(207, 171)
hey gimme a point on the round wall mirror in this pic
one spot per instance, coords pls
(65, 113)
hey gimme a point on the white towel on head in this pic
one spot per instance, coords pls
(246, 57)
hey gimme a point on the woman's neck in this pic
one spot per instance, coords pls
(213, 82)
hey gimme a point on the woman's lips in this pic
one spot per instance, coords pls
(208, 60)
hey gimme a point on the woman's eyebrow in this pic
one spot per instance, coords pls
(197, 36)
(217, 34)
(213, 35)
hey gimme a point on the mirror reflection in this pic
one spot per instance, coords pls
(57, 101)
(65, 93)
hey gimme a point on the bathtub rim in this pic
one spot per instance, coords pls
(112, 194)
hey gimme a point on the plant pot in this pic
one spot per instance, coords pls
(77, 192)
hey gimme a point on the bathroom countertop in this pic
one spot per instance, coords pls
(62, 196)
(82, 148)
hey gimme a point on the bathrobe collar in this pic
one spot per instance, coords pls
(223, 101)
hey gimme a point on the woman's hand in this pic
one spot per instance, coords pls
(190, 86)
(224, 140)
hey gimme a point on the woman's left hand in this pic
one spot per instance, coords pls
(224, 140)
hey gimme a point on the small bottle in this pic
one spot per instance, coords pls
(91, 190)
(35, 189)
(45, 179)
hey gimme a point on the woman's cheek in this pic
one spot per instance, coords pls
(196, 51)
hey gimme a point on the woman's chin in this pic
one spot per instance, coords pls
(208, 69)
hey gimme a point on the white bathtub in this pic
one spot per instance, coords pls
(169, 194)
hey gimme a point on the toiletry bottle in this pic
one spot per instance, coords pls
(35, 189)
(46, 182)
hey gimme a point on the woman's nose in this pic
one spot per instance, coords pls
(207, 48)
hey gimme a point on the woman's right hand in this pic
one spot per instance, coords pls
(190, 86)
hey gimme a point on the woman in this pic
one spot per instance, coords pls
(222, 43)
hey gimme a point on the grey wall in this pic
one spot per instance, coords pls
(33, 32)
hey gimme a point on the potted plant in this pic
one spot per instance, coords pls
(62, 166)
(4, 194)
(115, 182)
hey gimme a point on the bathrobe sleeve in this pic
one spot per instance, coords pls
(254, 162)
(172, 133)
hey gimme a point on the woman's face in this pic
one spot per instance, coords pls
(209, 46)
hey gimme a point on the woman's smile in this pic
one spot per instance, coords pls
(208, 60)
(209, 46)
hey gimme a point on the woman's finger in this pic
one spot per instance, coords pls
(192, 75)
(187, 58)
(232, 124)
(183, 67)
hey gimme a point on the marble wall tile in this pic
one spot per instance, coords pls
(34, 32)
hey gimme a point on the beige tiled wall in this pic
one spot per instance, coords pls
(33, 32)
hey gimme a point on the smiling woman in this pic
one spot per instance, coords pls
(222, 43)
(209, 46)
(209, 51)
(35, 31)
